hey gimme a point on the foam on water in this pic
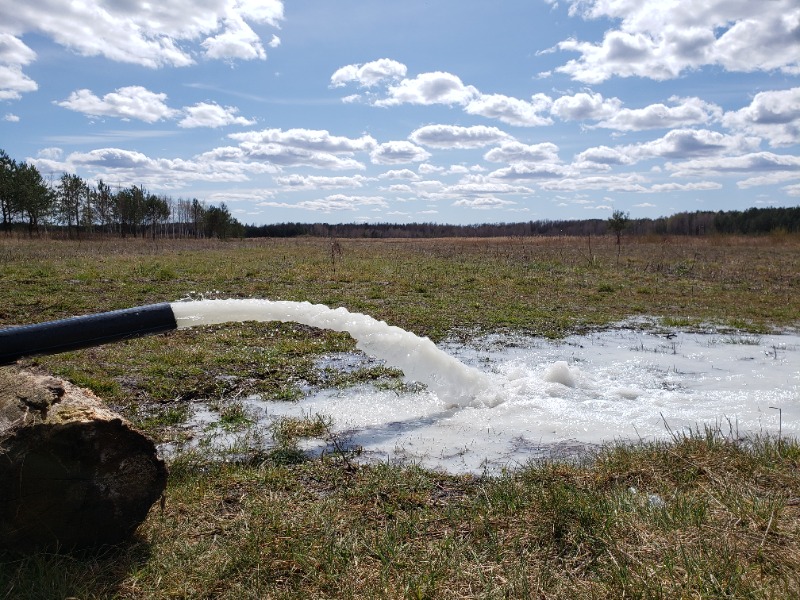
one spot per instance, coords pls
(517, 398)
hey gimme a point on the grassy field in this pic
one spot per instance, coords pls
(273, 525)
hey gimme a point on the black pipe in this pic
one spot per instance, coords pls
(81, 332)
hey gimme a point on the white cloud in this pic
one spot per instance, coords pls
(369, 74)
(429, 88)
(14, 83)
(400, 174)
(11, 118)
(512, 151)
(454, 136)
(307, 139)
(523, 172)
(337, 202)
(150, 34)
(237, 40)
(774, 115)
(294, 148)
(698, 186)
(13, 56)
(687, 143)
(242, 195)
(398, 152)
(131, 102)
(684, 112)
(584, 106)
(297, 182)
(429, 169)
(660, 40)
(603, 155)
(14, 52)
(755, 162)
(481, 187)
(510, 110)
(204, 114)
(488, 203)
(127, 167)
(631, 182)
(770, 178)
(52, 153)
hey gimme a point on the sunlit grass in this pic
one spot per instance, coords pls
(705, 515)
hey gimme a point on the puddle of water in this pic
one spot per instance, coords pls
(551, 398)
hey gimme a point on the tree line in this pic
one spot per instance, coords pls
(750, 221)
(72, 205)
(28, 201)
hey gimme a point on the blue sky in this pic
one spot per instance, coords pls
(448, 111)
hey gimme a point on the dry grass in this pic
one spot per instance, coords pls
(702, 517)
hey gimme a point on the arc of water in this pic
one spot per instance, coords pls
(418, 357)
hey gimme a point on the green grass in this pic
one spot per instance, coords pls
(727, 526)
(700, 517)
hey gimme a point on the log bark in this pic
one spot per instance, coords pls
(73, 474)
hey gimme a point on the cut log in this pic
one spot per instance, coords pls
(73, 474)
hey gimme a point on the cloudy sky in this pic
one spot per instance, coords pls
(449, 111)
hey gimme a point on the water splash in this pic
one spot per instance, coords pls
(418, 357)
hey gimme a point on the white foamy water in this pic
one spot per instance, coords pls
(419, 358)
(518, 398)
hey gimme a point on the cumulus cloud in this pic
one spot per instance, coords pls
(454, 136)
(294, 148)
(525, 172)
(337, 202)
(429, 88)
(13, 56)
(746, 163)
(584, 106)
(131, 102)
(774, 115)
(399, 174)
(398, 152)
(488, 203)
(150, 34)
(512, 151)
(521, 113)
(306, 139)
(482, 187)
(296, 182)
(603, 155)
(630, 182)
(698, 186)
(369, 74)
(660, 40)
(128, 167)
(683, 112)
(769, 178)
(687, 143)
(236, 40)
(205, 114)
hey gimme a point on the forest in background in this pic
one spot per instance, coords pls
(72, 207)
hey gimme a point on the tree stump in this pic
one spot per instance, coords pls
(73, 474)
